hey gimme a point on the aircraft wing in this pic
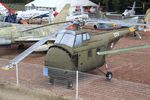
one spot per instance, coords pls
(120, 15)
(5, 24)
(137, 15)
(128, 24)
(112, 14)
(37, 33)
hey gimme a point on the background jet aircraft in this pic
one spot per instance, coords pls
(30, 14)
(127, 13)
(102, 22)
(109, 24)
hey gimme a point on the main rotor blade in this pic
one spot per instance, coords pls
(124, 50)
(24, 54)
(46, 25)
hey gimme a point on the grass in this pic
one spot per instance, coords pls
(12, 92)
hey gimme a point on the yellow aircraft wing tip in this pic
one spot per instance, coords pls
(132, 29)
(5, 68)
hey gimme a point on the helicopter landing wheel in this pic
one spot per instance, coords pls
(109, 75)
(51, 81)
(70, 85)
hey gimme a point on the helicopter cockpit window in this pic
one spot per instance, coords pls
(59, 37)
(78, 40)
(81, 38)
(66, 37)
(86, 36)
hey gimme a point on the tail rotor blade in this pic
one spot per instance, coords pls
(138, 34)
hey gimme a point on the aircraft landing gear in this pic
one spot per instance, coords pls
(109, 74)
(70, 85)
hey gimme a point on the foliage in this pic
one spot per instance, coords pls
(120, 5)
(110, 5)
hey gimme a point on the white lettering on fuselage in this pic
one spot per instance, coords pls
(116, 34)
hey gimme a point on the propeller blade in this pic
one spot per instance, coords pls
(124, 49)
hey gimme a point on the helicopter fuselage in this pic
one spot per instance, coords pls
(78, 51)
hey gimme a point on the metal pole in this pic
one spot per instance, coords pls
(17, 75)
(77, 85)
(50, 16)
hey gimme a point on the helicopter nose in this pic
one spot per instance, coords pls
(58, 57)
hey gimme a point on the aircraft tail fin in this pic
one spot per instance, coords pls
(99, 15)
(147, 16)
(3, 9)
(61, 17)
(133, 7)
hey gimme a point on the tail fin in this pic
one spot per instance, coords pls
(97, 14)
(100, 15)
(61, 17)
(3, 9)
(147, 16)
(133, 7)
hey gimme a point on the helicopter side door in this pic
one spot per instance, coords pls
(84, 54)
(87, 57)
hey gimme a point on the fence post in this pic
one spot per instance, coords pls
(17, 75)
(77, 85)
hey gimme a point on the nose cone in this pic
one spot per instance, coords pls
(58, 57)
